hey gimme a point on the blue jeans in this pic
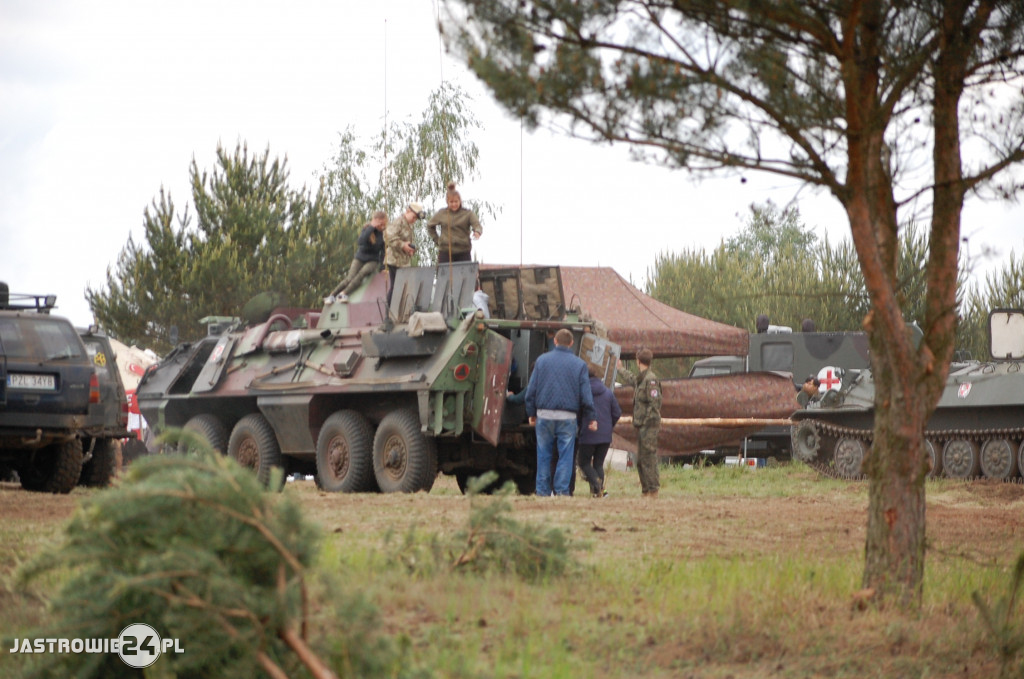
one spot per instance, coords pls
(552, 433)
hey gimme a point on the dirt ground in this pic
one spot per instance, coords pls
(980, 520)
(698, 514)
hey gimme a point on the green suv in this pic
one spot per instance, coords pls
(47, 382)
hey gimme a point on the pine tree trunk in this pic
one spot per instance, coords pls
(895, 547)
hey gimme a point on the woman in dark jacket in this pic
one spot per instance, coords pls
(594, 444)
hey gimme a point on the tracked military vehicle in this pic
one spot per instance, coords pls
(827, 355)
(370, 396)
(977, 428)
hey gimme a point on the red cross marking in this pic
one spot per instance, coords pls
(830, 380)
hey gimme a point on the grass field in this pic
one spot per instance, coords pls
(729, 573)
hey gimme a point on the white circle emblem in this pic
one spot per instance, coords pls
(139, 645)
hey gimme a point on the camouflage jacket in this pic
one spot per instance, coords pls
(455, 225)
(647, 400)
(396, 233)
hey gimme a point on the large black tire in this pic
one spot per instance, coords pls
(209, 428)
(253, 444)
(54, 469)
(344, 454)
(102, 466)
(404, 460)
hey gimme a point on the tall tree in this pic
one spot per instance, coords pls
(777, 266)
(409, 162)
(1004, 289)
(770, 234)
(872, 100)
(252, 234)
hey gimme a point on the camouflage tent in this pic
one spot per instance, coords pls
(635, 319)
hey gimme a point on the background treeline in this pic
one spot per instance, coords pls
(255, 238)
(252, 233)
(778, 266)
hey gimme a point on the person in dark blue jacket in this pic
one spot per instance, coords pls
(368, 260)
(594, 444)
(558, 393)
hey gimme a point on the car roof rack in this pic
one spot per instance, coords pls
(22, 302)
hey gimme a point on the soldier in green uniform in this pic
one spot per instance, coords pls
(647, 421)
(400, 239)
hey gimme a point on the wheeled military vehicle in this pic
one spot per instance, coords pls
(373, 396)
(106, 424)
(47, 383)
(977, 427)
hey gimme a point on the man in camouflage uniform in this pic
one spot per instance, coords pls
(647, 421)
(400, 239)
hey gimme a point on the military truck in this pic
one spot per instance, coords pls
(107, 422)
(376, 397)
(830, 356)
(47, 383)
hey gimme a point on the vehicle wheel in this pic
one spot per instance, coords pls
(849, 457)
(999, 459)
(253, 444)
(344, 454)
(404, 460)
(931, 451)
(100, 469)
(207, 428)
(806, 441)
(54, 469)
(960, 459)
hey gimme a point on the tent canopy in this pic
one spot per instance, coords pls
(635, 319)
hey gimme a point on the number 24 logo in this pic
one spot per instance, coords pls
(132, 646)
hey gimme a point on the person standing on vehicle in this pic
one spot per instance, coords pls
(458, 228)
(400, 239)
(368, 259)
(558, 392)
(594, 443)
(647, 421)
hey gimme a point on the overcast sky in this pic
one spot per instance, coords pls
(103, 102)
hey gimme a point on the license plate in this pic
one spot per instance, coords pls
(30, 381)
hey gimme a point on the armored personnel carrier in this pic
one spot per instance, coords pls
(374, 397)
(977, 427)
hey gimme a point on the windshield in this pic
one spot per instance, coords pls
(38, 338)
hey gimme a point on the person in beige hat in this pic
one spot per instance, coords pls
(400, 239)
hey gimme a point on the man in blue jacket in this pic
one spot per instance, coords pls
(558, 392)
